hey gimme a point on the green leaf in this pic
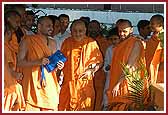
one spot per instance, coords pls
(161, 37)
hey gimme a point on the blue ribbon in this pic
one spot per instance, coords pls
(42, 74)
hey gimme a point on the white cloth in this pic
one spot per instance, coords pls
(107, 61)
(59, 38)
(143, 40)
(29, 32)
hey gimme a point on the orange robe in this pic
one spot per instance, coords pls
(78, 94)
(99, 79)
(120, 55)
(155, 59)
(36, 96)
(13, 43)
(13, 94)
(15, 46)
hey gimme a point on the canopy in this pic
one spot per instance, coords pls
(146, 8)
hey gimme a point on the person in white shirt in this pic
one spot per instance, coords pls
(144, 31)
(113, 36)
(60, 37)
(56, 35)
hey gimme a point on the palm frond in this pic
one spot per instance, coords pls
(137, 92)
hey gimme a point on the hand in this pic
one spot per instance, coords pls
(115, 91)
(88, 72)
(45, 61)
(60, 65)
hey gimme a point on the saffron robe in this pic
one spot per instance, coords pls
(121, 55)
(155, 59)
(13, 94)
(36, 95)
(78, 94)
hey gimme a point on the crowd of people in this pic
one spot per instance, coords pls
(92, 78)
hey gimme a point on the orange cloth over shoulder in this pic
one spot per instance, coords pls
(151, 46)
(36, 95)
(13, 43)
(77, 93)
(121, 55)
(155, 59)
(9, 57)
(13, 93)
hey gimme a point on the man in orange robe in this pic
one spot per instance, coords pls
(83, 60)
(94, 31)
(155, 51)
(129, 51)
(40, 93)
(13, 94)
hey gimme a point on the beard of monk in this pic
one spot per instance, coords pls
(78, 30)
(124, 30)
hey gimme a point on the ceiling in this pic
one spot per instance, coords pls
(149, 8)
